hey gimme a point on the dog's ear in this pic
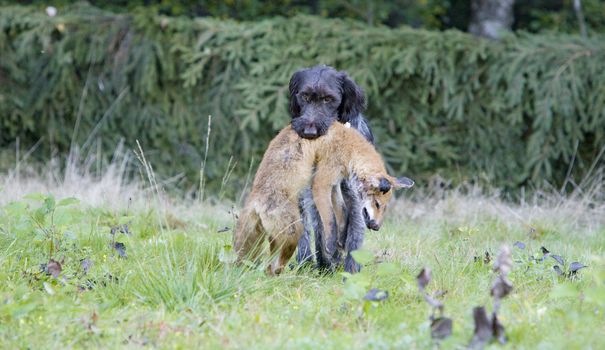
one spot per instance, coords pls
(353, 99)
(294, 86)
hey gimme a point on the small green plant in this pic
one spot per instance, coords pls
(359, 289)
(46, 220)
(593, 292)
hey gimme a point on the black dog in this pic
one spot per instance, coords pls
(319, 96)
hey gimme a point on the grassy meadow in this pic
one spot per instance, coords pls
(99, 262)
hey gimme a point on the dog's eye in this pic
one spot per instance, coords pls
(306, 97)
(327, 99)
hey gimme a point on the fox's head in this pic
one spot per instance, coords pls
(376, 194)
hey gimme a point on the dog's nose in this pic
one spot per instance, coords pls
(310, 132)
(373, 225)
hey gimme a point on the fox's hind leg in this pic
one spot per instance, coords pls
(249, 235)
(282, 257)
(282, 243)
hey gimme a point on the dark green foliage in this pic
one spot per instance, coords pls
(417, 13)
(558, 15)
(439, 102)
(529, 15)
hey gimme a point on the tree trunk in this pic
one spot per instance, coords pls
(491, 18)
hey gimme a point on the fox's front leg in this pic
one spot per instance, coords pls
(321, 188)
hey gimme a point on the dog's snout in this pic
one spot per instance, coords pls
(310, 131)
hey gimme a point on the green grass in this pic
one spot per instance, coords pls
(177, 288)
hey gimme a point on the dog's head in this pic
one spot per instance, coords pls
(320, 95)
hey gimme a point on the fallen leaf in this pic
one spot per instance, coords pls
(519, 245)
(487, 258)
(423, 278)
(558, 258)
(121, 248)
(498, 329)
(441, 328)
(376, 295)
(440, 293)
(86, 264)
(575, 266)
(123, 228)
(91, 324)
(54, 268)
(501, 288)
(504, 262)
(224, 229)
(433, 302)
(483, 328)
(544, 250)
(558, 270)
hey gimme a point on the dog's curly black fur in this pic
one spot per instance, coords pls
(319, 96)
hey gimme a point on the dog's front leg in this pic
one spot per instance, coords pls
(322, 196)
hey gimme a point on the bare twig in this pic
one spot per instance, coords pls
(577, 7)
(241, 197)
(567, 176)
(203, 166)
(107, 113)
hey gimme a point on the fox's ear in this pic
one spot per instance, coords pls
(384, 186)
(403, 182)
(381, 183)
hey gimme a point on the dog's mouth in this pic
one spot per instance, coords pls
(311, 126)
(310, 132)
(371, 224)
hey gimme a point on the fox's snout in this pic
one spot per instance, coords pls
(370, 223)
(373, 225)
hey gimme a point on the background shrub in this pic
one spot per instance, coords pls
(512, 112)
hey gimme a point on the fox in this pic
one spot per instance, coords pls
(289, 164)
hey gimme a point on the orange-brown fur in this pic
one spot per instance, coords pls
(286, 169)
